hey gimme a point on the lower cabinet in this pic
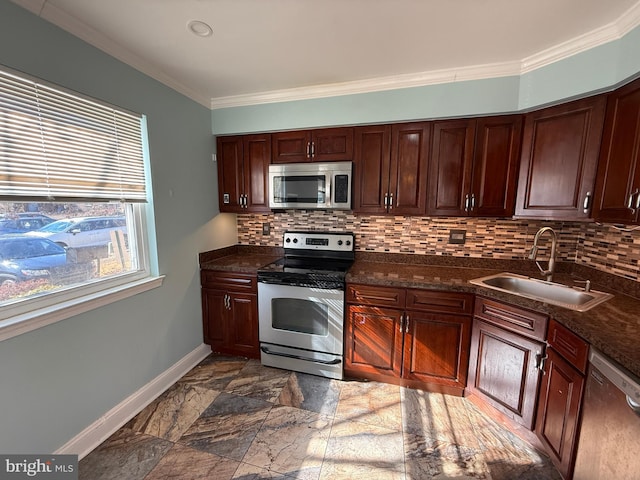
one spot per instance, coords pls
(561, 393)
(413, 337)
(507, 347)
(230, 312)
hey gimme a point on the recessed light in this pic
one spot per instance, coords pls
(199, 28)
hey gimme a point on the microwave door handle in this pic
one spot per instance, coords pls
(327, 198)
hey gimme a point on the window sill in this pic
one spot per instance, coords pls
(14, 326)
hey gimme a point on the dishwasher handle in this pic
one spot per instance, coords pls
(626, 381)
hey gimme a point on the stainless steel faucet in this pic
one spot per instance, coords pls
(552, 257)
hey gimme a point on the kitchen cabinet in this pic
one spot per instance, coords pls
(412, 337)
(243, 173)
(617, 192)
(507, 346)
(560, 150)
(320, 145)
(473, 166)
(230, 312)
(390, 168)
(560, 398)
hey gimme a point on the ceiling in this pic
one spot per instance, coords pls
(271, 50)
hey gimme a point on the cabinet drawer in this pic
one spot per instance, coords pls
(243, 282)
(380, 296)
(440, 302)
(516, 319)
(573, 348)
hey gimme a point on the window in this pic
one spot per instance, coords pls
(72, 196)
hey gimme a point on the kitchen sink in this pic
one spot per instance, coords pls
(548, 292)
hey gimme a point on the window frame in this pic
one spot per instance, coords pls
(24, 315)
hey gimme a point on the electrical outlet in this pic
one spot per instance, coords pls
(266, 229)
(457, 236)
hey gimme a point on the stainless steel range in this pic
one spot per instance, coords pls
(301, 303)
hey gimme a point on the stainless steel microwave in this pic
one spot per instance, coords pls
(310, 185)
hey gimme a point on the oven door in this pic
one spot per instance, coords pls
(301, 317)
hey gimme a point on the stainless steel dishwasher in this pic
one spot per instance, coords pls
(608, 444)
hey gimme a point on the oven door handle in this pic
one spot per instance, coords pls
(299, 357)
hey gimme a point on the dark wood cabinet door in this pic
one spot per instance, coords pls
(410, 143)
(242, 332)
(214, 317)
(371, 163)
(617, 197)
(230, 173)
(503, 371)
(450, 167)
(332, 144)
(436, 348)
(256, 156)
(559, 158)
(321, 145)
(373, 341)
(559, 410)
(291, 147)
(495, 166)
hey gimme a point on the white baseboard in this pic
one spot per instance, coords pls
(96, 433)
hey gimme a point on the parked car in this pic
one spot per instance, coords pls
(24, 258)
(23, 222)
(81, 232)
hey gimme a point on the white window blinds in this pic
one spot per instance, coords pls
(59, 146)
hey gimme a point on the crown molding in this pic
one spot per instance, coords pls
(71, 24)
(600, 36)
(372, 85)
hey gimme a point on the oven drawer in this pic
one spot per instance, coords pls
(379, 296)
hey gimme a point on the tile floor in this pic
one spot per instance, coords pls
(232, 418)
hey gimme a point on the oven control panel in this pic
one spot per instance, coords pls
(336, 242)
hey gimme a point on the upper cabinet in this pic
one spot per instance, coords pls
(559, 158)
(390, 168)
(473, 166)
(450, 167)
(617, 193)
(322, 145)
(243, 169)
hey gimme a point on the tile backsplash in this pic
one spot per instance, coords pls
(598, 246)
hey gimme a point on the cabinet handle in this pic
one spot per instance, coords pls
(313, 149)
(390, 201)
(401, 326)
(466, 202)
(473, 201)
(587, 202)
(630, 203)
(540, 361)
(246, 201)
(386, 200)
(406, 324)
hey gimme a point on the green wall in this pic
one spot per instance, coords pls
(57, 380)
(595, 70)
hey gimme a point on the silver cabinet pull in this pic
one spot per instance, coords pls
(587, 202)
(313, 149)
(401, 326)
(390, 201)
(466, 202)
(406, 324)
(473, 201)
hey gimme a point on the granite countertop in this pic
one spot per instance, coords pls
(613, 327)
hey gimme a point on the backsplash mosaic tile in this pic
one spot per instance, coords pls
(602, 247)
